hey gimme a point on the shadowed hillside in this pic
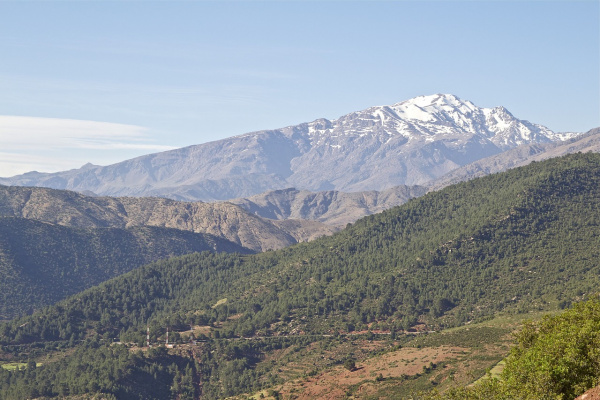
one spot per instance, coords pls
(42, 263)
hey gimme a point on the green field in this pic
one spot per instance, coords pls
(15, 365)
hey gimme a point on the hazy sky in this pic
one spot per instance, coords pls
(103, 81)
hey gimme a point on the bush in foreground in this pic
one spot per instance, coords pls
(555, 358)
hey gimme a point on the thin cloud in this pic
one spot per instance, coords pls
(54, 144)
(18, 163)
(33, 132)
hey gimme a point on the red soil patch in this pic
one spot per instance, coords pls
(592, 394)
(333, 384)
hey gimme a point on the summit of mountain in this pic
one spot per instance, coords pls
(408, 143)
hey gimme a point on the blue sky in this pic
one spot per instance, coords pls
(100, 82)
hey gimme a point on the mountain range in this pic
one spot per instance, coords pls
(516, 242)
(268, 221)
(224, 220)
(505, 245)
(409, 143)
(330, 207)
(54, 243)
(381, 137)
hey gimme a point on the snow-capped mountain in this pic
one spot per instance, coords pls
(411, 142)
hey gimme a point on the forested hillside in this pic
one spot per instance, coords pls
(527, 239)
(42, 263)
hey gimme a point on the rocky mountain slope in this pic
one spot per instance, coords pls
(223, 220)
(330, 207)
(412, 143)
(519, 156)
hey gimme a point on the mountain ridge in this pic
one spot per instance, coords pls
(224, 220)
(500, 219)
(330, 207)
(267, 221)
(408, 143)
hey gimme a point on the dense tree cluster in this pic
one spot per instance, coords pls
(112, 370)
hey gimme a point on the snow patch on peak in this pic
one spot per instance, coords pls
(437, 101)
(430, 118)
(318, 126)
(413, 111)
(563, 136)
(498, 118)
(434, 107)
(502, 113)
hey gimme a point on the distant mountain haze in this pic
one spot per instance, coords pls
(409, 143)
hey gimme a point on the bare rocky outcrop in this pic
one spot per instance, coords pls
(330, 207)
(269, 221)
